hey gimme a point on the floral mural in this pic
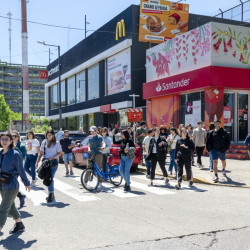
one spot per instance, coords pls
(180, 54)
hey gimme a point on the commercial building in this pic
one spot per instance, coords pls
(203, 74)
(11, 87)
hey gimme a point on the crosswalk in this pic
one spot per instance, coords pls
(139, 186)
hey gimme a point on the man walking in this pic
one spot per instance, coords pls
(199, 139)
(219, 143)
(67, 145)
(145, 146)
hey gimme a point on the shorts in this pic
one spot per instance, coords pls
(67, 157)
(218, 154)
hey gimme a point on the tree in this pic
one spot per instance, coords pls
(15, 116)
(5, 114)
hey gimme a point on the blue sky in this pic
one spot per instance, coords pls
(70, 14)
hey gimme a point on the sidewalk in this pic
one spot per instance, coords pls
(238, 173)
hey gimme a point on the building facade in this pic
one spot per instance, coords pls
(11, 87)
(203, 74)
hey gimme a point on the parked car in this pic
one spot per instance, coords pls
(77, 138)
(40, 137)
(79, 155)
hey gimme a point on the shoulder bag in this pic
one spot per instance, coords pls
(4, 177)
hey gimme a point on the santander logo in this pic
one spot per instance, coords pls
(158, 88)
(172, 85)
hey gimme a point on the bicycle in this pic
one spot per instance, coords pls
(90, 176)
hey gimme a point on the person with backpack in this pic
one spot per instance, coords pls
(247, 143)
(218, 143)
(51, 151)
(157, 153)
(184, 148)
(11, 165)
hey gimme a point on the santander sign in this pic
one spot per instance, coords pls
(172, 85)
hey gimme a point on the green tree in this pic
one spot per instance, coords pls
(15, 116)
(5, 114)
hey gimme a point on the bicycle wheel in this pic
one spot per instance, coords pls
(114, 176)
(89, 179)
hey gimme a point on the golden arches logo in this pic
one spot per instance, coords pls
(120, 29)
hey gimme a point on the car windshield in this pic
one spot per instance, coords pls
(85, 141)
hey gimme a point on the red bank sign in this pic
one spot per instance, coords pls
(43, 74)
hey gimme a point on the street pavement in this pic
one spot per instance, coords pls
(160, 217)
(238, 173)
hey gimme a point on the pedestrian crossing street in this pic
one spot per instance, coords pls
(71, 187)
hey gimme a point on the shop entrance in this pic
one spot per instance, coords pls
(236, 115)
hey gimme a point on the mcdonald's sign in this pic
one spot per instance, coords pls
(43, 74)
(120, 29)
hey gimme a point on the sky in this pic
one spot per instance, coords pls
(69, 13)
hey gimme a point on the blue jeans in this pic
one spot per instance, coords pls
(29, 165)
(211, 161)
(148, 165)
(124, 168)
(172, 161)
(51, 186)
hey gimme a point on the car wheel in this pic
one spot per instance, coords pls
(134, 168)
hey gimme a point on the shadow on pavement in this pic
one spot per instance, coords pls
(25, 214)
(55, 204)
(230, 181)
(13, 242)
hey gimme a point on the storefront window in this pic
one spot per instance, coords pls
(55, 125)
(71, 88)
(71, 123)
(91, 120)
(81, 122)
(63, 103)
(192, 108)
(229, 113)
(242, 116)
(93, 82)
(64, 124)
(54, 100)
(80, 87)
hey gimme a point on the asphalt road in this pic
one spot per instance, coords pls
(204, 217)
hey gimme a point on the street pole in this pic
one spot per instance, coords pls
(59, 82)
(85, 26)
(134, 96)
(22, 104)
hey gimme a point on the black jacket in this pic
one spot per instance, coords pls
(44, 172)
(161, 150)
(181, 152)
(208, 140)
(219, 140)
(123, 145)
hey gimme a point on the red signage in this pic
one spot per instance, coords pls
(212, 76)
(134, 115)
(43, 74)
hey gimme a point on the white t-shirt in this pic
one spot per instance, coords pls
(146, 142)
(155, 147)
(174, 139)
(31, 146)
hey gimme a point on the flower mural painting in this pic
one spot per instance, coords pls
(233, 39)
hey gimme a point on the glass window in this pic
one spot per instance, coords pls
(93, 82)
(63, 102)
(71, 123)
(54, 124)
(71, 88)
(54, 103)
(229, 113)
(91, 120)
(81, 122)
(63, 123)
(80, 87)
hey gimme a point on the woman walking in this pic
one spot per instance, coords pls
(172, 140)
(127, 156)
(157, 153)
(32, 146)
(184, 148)
(106, 150)
(11, 163)
(50, 150)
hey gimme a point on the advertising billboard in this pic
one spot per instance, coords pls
(119, 72)
(161, 20)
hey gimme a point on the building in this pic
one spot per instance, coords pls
(92, 90)
(206, 77)
(11, 87)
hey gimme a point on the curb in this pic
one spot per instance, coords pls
(195, 179)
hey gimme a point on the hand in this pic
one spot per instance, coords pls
(161, 143)
(28, 188)
(184, 146)
(125, 151)
(51, 159)
(175, 160)
(36, 165)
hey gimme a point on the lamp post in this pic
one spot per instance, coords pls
(59, 80)
(85, 26)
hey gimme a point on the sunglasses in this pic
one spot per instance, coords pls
(5, 139)
(15, 136)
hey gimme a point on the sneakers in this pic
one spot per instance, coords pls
(19, 227)
(216, 179)
(190, 183)
(71, 172)
(178, 186)
(224, 173)
(22, 200)
(67, 172)
(167, 181)
(151, 184)
(50, 198)
(211, 170)
(127, 188)
(148, 176)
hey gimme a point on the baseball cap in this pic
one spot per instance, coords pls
(93, 128)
